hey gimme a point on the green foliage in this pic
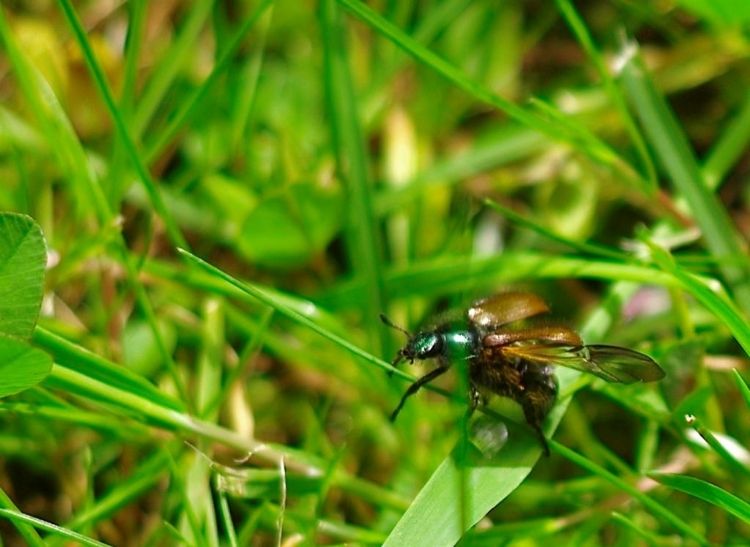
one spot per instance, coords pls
(22, 366)
(707, 492)
(23, 257)
(288, 228)
(720, 12)
(232, 193)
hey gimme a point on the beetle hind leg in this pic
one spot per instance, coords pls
(475, 398)
(540, 435)
(537, 400)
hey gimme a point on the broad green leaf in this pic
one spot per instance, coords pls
(140, 351)
(287, 228)
(233, 199)
(23, 257)
(459, 495)
(21, 366)
(568, 207)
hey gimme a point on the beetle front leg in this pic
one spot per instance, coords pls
(427, 378)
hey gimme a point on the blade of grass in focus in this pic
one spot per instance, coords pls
(707, 492)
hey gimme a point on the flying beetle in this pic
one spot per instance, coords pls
(516, 361)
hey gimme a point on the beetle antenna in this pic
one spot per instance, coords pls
(391, 324)
(400, 355)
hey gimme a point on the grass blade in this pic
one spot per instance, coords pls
(707, 492)
(598, 148)
(657, 508)
(364, 245)
(677, 158)
(122, 129)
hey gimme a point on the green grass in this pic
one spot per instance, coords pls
(229, 194)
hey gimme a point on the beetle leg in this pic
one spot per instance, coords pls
(535, 410)
(537, 400)
(475, 398)
(396, 361)
(427, 378)
(542, 438)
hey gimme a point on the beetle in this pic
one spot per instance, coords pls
(515, 360)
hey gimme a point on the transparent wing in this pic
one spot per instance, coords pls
(612, 363)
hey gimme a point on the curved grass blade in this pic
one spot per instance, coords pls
(718, 303)
(707, 492)
(49, 527)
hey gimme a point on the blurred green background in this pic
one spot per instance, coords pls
(340, 160)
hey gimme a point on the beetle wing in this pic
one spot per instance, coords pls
(505, 308)
(611, 363)
(556, 335)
